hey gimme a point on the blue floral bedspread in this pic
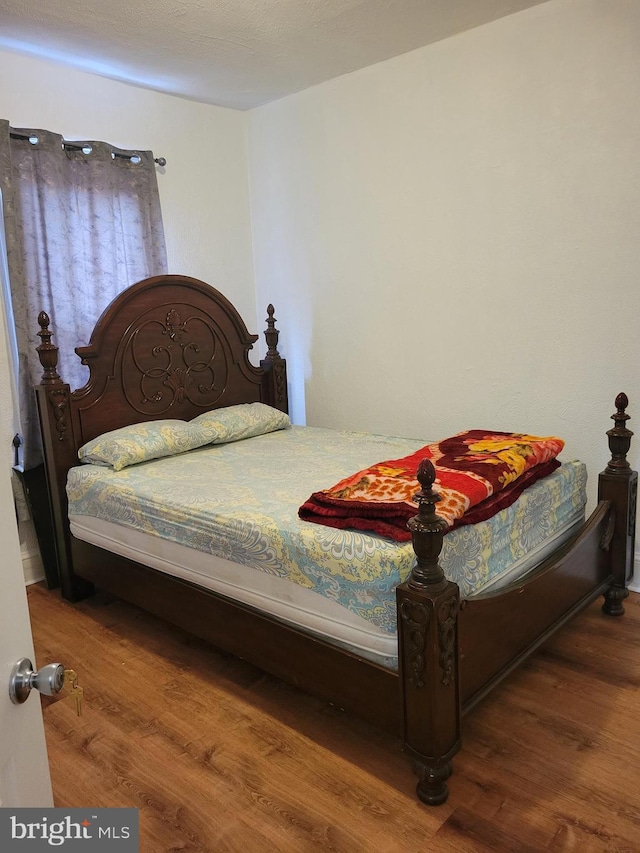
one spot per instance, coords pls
(240, 501)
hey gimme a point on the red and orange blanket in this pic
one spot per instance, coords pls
(478, 474)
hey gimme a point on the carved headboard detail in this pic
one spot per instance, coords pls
(171, 356)
(169, 347)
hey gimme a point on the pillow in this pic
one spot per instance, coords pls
(243, 421)
(141, 442)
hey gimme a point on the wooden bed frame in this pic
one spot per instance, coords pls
(172, 346)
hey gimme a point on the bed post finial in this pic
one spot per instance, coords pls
(619, 436)
(428, 606)
(47, 352)
(618, 483)
(427, 530)
(274, 391)
(271, 334)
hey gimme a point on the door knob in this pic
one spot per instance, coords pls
(47, 680)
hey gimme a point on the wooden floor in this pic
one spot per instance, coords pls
(219, 757)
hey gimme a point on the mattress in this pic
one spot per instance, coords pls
(225, 517)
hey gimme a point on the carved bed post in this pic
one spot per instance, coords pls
(59, 448)
(428, 606)
(274, 383)
(618, 483)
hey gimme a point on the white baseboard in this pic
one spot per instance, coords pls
(634, 586)
(32, 567)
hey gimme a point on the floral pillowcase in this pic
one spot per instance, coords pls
(243, 421)
(141, 442)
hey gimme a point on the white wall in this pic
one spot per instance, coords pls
(450, 238)
(203, 189)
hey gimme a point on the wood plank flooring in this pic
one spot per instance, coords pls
(219, 757)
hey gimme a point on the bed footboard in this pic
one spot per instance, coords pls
(452, 654)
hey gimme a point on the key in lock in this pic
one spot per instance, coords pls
(48, 680)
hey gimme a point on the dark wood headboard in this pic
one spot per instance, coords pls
(167, 347)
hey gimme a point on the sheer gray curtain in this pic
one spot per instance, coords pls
(82, 222)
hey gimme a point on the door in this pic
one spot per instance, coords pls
(24, 769)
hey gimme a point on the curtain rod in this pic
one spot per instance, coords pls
(82, 146)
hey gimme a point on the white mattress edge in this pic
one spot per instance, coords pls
(279, 597)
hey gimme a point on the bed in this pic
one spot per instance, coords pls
(174, 348)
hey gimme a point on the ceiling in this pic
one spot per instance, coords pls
(234, 53)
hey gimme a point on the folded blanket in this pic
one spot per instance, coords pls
(478, 474)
